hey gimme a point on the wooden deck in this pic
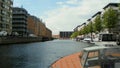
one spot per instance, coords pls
(71, 61)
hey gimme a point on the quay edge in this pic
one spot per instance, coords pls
(18, 40)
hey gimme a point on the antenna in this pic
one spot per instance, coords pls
(21, 6)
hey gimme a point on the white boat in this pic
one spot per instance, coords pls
(100, 57)
(105, 39)
(88, 40)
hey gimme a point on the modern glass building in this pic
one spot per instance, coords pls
(19, 21)
(65, 34)
(6, 15)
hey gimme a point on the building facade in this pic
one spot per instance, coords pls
(42, 28)
(33, 25)
(38, 28)
(94, 16)
(79, 27)
(48, 33)
(19, 21)
(65, 34)
(56, 36)
(6, 15)
(115, 7)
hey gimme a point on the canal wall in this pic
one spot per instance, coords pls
(16, 40)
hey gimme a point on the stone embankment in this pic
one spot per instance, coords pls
(16, 40)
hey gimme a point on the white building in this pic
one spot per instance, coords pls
(79, 27)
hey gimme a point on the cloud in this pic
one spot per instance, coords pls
(73, 2)
(69, 2)
(59, 3)
(67, 16)
(19, 3)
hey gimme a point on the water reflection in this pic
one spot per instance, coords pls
(37, 55)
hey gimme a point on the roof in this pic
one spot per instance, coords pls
(19, 9)
(81, 25)
(96, 14)
(94, 48)
(78, 26)
(88, 19)
(112, 4)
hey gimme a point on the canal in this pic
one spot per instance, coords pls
(37, 55)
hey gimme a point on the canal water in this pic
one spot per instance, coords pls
(37, 55)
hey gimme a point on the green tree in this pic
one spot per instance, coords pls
(81, 32)
(75, 34)
(85, 30)
(98, 24)
(90, 27)
(119, 6)
(110, 19)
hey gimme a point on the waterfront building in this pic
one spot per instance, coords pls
(42, 28)
(56, 36)
(65, 34)
(45, 33)
(6, 15)
(48, 33)
(38, 28)
(33, 25)
(79, 27)
(94, 16)
(115, 7)
(19, 21)
(76, 28)
(116, 29)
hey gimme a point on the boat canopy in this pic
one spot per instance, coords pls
(107, 37)
(94, 48)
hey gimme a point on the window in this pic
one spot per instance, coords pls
(92, 59)
(93, 54)
(107, 37)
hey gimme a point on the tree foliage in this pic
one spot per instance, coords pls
(86, 29)
(110, 19)
(75, 34)
(90, 27)
(98, 24)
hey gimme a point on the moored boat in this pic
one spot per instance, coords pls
(105, 39)
(91, 57)
(100, 57)
(88, 40)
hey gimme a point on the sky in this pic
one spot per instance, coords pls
(63, 15)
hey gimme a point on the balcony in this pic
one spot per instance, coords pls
(19, 25)
(22, 17)
(24, 13)
(19, 30)
(19, 21)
